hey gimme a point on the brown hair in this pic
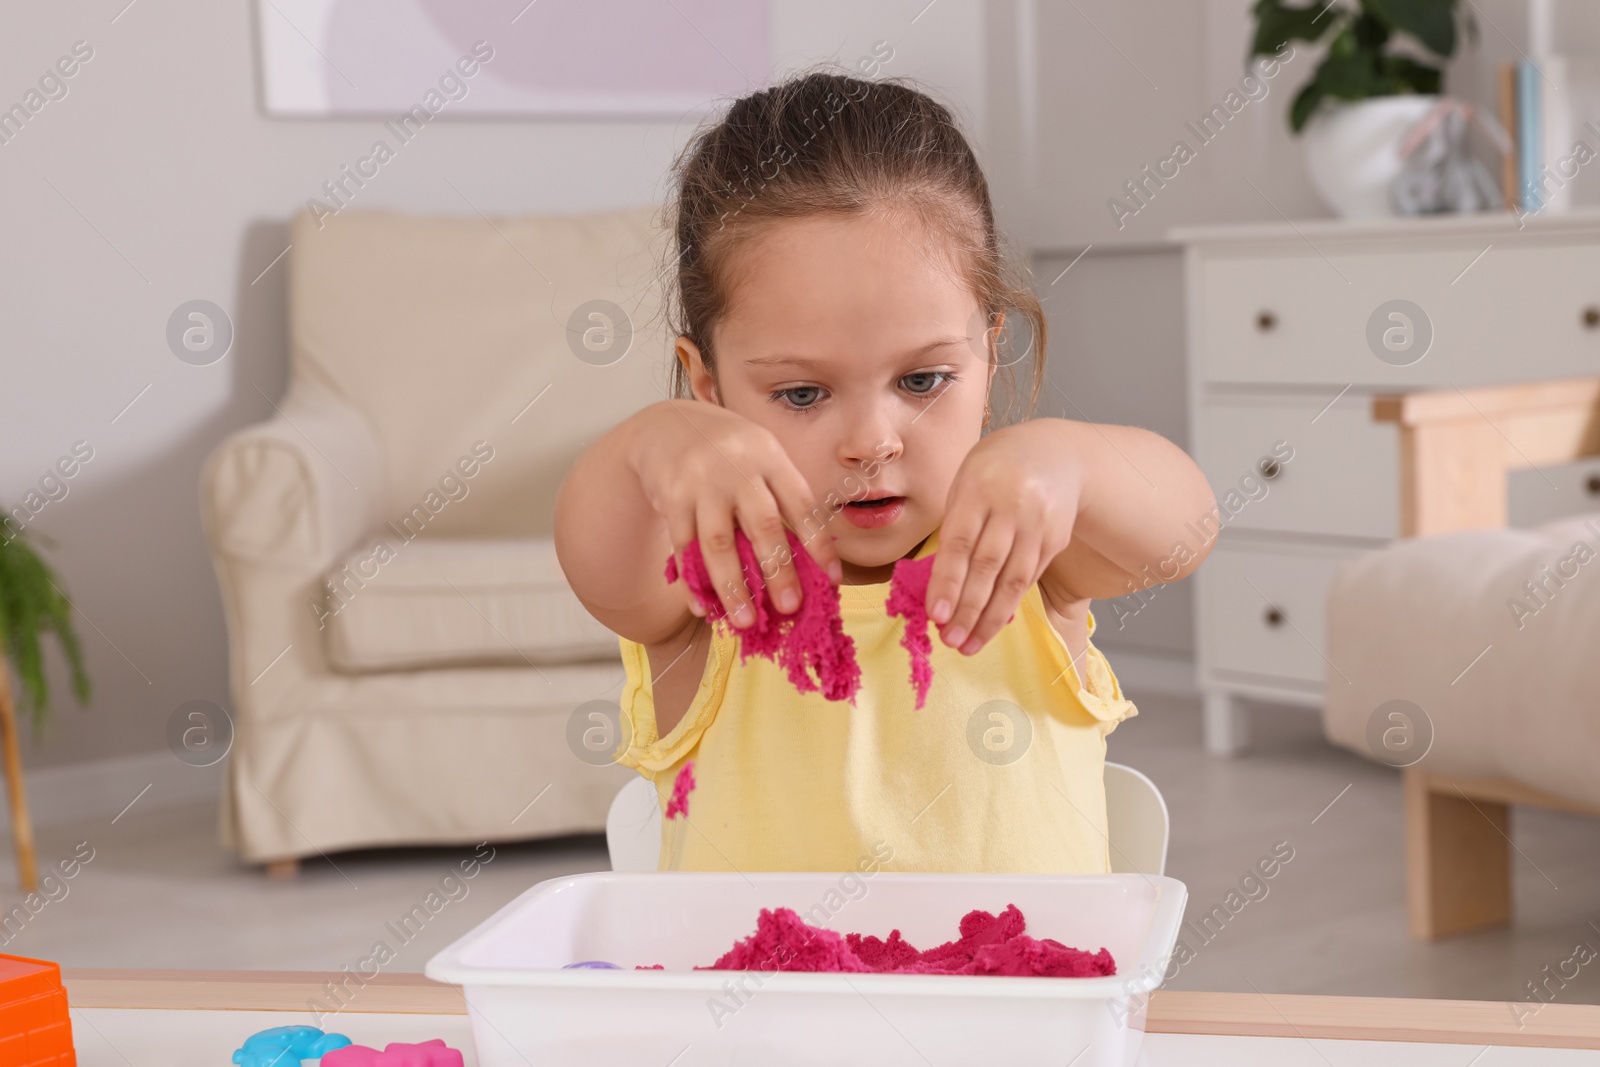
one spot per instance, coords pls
(826, 142)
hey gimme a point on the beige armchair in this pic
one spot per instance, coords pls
(406, 659)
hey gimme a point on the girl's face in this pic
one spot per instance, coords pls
(857, 342)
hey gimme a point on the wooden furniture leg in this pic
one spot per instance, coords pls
(1458, 859)
(288, 868)
(17, 796)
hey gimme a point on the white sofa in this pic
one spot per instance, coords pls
(404, 653)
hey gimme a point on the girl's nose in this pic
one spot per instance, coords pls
(871, 439)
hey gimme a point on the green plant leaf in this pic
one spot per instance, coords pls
(1277, 24)
(1370, 33)
(1351, 77)
(31, 605)
(1407, 75)
(1305, 102)
(1346, 45)
(1430, 21)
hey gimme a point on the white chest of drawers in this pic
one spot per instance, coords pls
(1292, 329)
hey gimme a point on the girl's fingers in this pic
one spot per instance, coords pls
(680, 528)
(807, 518)
(757, 515)
(958, 536)
(988, 557)
(714, 519)
(1010, 586)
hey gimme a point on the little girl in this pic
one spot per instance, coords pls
(839, 305)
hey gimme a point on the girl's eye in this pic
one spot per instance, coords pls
(800, 398)
(925, 382)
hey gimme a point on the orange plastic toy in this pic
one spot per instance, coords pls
(35, 1029)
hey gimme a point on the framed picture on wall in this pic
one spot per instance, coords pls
(527, 58)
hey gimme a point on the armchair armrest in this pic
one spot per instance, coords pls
(1456, 446)
(297, 490)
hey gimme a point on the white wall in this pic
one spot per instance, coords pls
(157, 180)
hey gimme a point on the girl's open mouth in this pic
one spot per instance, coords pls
(874, 512)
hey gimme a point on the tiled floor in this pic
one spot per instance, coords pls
(160, 893)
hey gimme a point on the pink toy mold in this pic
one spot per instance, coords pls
(433, 1053)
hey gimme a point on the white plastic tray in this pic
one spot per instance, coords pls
(526, 1010)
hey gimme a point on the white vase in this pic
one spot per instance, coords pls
(1353, 151)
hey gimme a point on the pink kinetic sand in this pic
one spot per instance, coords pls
(396, 1054)
(811, 639)
(681, 786)
(988, 945)
(908, 598)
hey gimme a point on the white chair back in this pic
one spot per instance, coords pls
(633, 827)
(1136, 822)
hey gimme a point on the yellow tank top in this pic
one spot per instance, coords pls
(1002, 770)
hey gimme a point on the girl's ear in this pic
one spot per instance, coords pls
(998, 332)
(701, 383)
(991, 335)
(997, 338)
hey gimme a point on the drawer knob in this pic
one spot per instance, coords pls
(1273, 617)
(1269, 468)
(1593, 484)
(1591, 317)
(1266, 321)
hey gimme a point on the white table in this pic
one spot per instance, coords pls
(197, 1019)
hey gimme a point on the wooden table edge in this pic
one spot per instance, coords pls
(1462, 1022)
(1449, 1022)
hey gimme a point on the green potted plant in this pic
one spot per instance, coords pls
(31, 605)
(1382, 72)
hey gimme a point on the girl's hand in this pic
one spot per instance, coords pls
(1011, 511)
(705, 470)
